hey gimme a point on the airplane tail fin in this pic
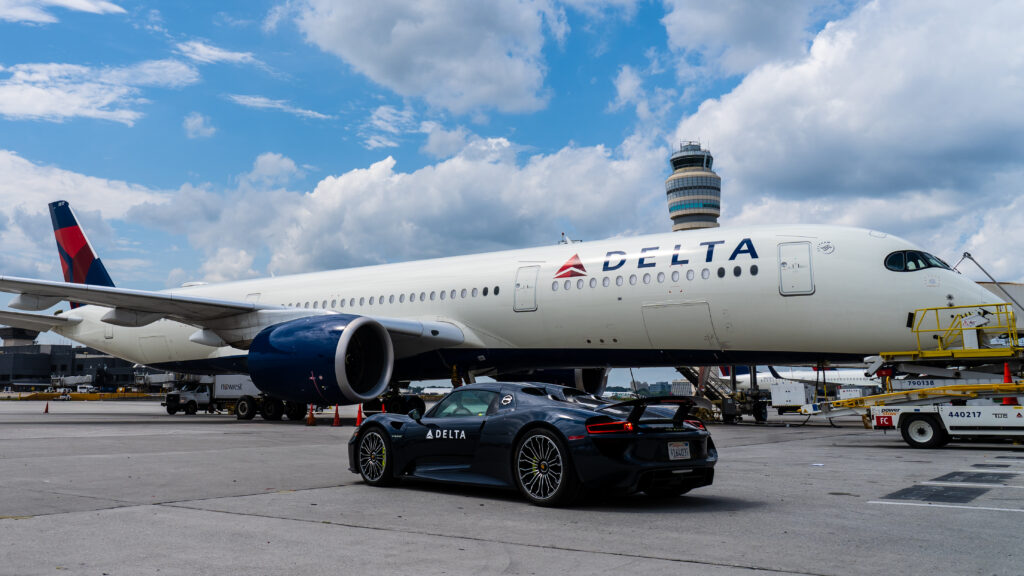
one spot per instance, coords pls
(77, 258)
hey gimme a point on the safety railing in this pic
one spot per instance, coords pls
(982, 330)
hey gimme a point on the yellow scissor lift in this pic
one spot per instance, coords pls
(961, 335)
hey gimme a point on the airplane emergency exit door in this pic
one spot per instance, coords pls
(795, 275)
(525, 299)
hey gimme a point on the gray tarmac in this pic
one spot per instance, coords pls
(121, 488)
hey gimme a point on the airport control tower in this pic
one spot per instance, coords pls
(694, 191)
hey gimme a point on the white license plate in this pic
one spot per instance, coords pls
(678, 450)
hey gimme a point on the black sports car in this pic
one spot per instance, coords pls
(546, 440)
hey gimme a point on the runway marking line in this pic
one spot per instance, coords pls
(969, 484)
(927, 505)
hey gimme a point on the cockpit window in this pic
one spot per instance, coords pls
(912, 260)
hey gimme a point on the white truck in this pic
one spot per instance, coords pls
(219, 394)
(232, 391)
(934, 426)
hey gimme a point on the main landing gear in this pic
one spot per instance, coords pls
(394, 401)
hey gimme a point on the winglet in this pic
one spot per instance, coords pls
(77, 258)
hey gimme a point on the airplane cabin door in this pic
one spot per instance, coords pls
(680, 326)
(525, 299)
(795, 275)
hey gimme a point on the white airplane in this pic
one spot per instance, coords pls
(743, 296)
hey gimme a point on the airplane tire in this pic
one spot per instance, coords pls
(921, 431)
(245, 408)
(295, 411)
(191, 407)
(273, 409)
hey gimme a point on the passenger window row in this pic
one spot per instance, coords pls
(646, 278)
(336, 303)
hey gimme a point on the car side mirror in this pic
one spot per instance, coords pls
(415, 414)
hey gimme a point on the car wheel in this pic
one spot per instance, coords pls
(375, 461)
(191, 407)
(245, 408)
(273, 409)
(172, 410)
(920, 431)
(543, 470)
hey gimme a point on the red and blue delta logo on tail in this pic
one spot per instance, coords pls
(77, 258)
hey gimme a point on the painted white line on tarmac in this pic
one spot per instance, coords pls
(926, 505)
(969, 484)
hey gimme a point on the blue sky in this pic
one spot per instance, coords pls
(236, 139)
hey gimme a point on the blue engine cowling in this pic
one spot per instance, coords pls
(331, 359)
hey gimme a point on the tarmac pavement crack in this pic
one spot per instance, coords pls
(560, 548)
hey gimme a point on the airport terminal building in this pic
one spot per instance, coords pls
(29, 367)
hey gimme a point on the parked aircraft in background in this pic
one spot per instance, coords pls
(752, 295)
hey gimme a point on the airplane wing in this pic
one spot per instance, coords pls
(173, 306)
(233, 322)
(37, 322)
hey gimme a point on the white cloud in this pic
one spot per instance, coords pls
(378, 214)
(597, 7)
(265, 103)
(57, 92)
(38, 11)
(629, 90)
(271, 169)
(735, 37)
(209, 54)
(198, 126)
(25, 190)
(885, 123)
(385, 125)
(274, 17)
(443, 143)
(228, 264)
(461, 55)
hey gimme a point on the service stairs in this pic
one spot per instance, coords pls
(703, 378)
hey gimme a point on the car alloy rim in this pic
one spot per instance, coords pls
(372, 456)
(540, 466)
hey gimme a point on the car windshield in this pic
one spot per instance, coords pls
(465, 403)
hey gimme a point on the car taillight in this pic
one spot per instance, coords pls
(697, 423)
(610, 427)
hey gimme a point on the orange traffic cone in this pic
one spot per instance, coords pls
(1008, 379)
(47, 409)
(310, 420)
(359, 415)
(337, 417)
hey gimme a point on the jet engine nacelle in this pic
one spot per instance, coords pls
(332, 359)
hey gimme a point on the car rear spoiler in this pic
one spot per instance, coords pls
(684, 405)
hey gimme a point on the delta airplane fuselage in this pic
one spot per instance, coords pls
(783, 294)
